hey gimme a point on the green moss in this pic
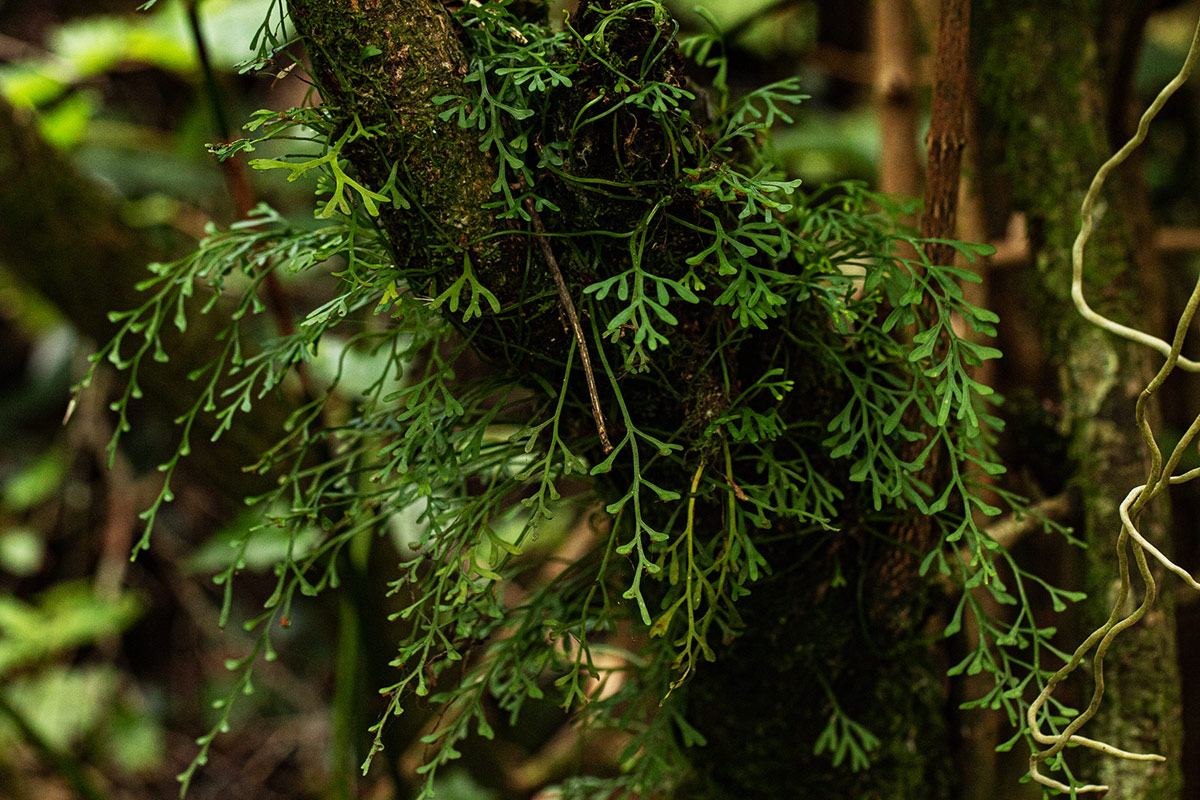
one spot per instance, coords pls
(384, 66)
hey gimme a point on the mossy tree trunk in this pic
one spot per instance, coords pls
(1046, 76)
(765, 700)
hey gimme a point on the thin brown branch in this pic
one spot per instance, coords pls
(947, 135)
(1011, 528)
(564, 298)
(916, 534)
(1013, 251)
(14, 49)
(1177, 240)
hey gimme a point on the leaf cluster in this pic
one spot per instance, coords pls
(826, 367)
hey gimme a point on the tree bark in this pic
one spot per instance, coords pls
(947, 136)
(1044, 81)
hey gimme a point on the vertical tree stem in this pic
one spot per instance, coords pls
(946, 135)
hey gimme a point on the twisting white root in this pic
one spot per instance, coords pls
(1156, 480)
(1042, 738)
(1089, 202)
(1136, 535)
(1059, 785)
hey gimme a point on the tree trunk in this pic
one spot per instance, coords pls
(764, 701)
(1044, 83)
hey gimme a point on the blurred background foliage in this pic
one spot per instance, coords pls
(108, 668)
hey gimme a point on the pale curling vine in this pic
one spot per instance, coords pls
(1158, 478)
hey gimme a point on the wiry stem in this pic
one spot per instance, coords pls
(1089, 202)
(564, 298)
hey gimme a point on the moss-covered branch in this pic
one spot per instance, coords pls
(381, 64)
(680, 242)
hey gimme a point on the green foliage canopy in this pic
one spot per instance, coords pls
(774, 361)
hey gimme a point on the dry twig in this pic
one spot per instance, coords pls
(564, 299)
